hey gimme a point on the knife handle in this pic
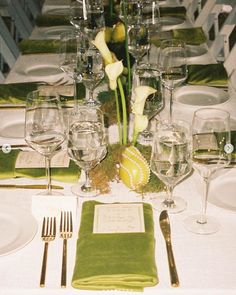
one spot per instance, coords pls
(172, 268)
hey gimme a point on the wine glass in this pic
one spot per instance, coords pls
(77, 14)
(44, 127)
(170, 161)
(69, 43)
(90, 69)
(149, 76)
(95, 19)
(172, 62)
(211, 151)
(138, 40)
(87, 144)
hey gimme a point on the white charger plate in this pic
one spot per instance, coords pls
(17, 226)
(40, 70)
(55, 32)
(200, 95)
(222, 190)
(167, 22)
(12, 126)
(194, 51)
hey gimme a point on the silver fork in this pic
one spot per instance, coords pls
(66, 230)
(48, 234)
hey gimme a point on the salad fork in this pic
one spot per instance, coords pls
(66, 230)
(48, 234)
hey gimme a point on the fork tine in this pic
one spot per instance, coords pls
(43, 227)
(71, 222)
(54, 226)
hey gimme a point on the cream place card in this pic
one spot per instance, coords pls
(53, 205)
(118, 218)
(32, 159)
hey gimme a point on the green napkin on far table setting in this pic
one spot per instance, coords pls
(8, 170)
(30, 46)
(210, 75)
(191, 36)
(114, 261)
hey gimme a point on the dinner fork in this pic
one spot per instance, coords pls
(48, 235)
(66, 230)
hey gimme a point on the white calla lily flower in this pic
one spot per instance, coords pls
(101, 45)
(113, 71)
(140, 123)
(141, 94)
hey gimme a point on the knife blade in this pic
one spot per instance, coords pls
(28, 186)
(166, 231)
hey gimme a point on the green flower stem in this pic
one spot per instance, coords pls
(111, 5)
(124, 110)
(126, 47)
(118, 117)
(135, 137)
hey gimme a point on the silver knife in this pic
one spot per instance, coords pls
(165, 228)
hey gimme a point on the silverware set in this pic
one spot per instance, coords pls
(49, 234)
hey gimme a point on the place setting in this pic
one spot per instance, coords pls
(117, 149)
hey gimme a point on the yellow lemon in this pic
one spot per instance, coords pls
(118, 33)
(134, 171)
(108, 34)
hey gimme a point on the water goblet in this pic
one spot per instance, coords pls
(90, 70)
(87, 144)
(44, 128)
(173, 65)
(170, 162)
(211, 151)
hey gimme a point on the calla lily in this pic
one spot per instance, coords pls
(100, 43)
(113, 71)
(141, 94)
(140, 123)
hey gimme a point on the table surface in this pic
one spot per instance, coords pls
(206, 263)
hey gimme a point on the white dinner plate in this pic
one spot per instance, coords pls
(200, 95)
(55, 32)
(12, 126)
(168, 22)
(40, 70)
(17, 227)
(222, 190)
(194, 51)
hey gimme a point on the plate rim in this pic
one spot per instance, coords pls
(30, 230)
(196, 88)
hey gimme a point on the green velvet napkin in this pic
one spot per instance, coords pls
(121, 261)
(191, 36)
(15, 93)
(7, 169)
(210, 74)
(47, 20)
(30, 46)
(175, 11)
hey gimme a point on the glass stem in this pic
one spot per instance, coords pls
(169, 200)
(48, 174)
(170, 105)
(202, 218)
(90, 96)
(87, 183)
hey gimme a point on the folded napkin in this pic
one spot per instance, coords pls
(191, 36)
(174, 11)
(30, 46)
(8, 170)
(122, 261)
(15, 93)
(210, 74)
(47, 20)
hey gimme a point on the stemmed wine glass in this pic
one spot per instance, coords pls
(87, 16)
(211, 151)
(87, 144)
(170, 161)
(90, 69)
(173, 65)
(146, 75)
(69, 43)
(44, 128)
